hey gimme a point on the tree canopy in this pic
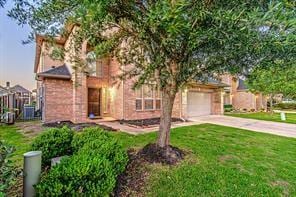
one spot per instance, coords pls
(274, 79)
(172, 42)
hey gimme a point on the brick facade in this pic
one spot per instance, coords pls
(68, 99)
(242, 99)
(58, 100)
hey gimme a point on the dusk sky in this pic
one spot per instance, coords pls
(16, 59)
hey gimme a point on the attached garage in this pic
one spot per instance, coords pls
(198, 104)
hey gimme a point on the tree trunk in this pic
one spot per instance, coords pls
(271, 103)
(168, 97)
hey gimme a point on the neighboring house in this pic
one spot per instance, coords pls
(64, 93)
(15, 97)
(240, 97)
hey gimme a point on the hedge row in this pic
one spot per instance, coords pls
(94, 161)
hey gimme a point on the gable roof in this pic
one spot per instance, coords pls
(61, 40)
(241, 85)
(60, 72)
(3, 90)
(19, 88)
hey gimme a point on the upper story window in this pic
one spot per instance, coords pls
(95, 67)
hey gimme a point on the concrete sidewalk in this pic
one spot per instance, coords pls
(276, 128)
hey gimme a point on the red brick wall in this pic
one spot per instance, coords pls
(217, 102)
(116, 90)
(79, 95)
(244, 100)
(58, 100)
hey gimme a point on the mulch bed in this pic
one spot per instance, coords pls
(133, 180)
(169, 155)
(148, 122)
(76, 127)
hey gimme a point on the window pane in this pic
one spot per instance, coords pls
(148, 91)
(139, 93)
(138, 104)
(157, 103)
(99, 69)
(157, 93)
(91, 63)
(148, 103)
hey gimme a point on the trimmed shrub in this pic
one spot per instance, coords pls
(285, 106)
(54, 142)
(8, 172)
(228, 108)
(110, 150)
(87, 135)
(91, 171)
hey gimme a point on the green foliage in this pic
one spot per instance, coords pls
(228, 108)
(274, 78)
(54, 142)
(91, 171)
(170, 42)
(88, 135)
(8, 172)
(285, 106)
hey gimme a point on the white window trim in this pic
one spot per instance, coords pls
(153, 98)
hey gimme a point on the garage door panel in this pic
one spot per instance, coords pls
(198, 104)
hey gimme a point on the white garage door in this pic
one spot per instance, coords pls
(198, 104)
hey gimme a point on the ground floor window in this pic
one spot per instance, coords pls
(148, 97)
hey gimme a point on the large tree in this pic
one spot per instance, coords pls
(170, 42)
(273, 79)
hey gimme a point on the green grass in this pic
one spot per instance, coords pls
(223, 162)
(21, 143)
(290, 117)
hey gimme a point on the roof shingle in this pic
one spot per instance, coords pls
(61, 72)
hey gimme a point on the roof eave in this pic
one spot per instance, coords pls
(53, 76)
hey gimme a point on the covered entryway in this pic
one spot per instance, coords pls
(198, 104)
(94, 102)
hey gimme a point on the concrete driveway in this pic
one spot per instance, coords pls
(282, 129)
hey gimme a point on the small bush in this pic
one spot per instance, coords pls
(87, 135)
(291, 106)
(91, 171)
(54, 142)
(8, 172)
(228, 108)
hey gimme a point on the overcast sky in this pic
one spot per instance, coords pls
(16, 59)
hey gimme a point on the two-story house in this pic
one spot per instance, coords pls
(65, 93)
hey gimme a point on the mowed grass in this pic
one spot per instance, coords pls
(276, 117)
(223, 161)
(21, 143)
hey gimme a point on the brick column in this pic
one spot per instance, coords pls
(217, 102)
(79, 97)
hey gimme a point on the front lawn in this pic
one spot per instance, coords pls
(222, 161)
(11, 136)
(276, 117)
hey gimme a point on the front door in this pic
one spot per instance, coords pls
(94, 102)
